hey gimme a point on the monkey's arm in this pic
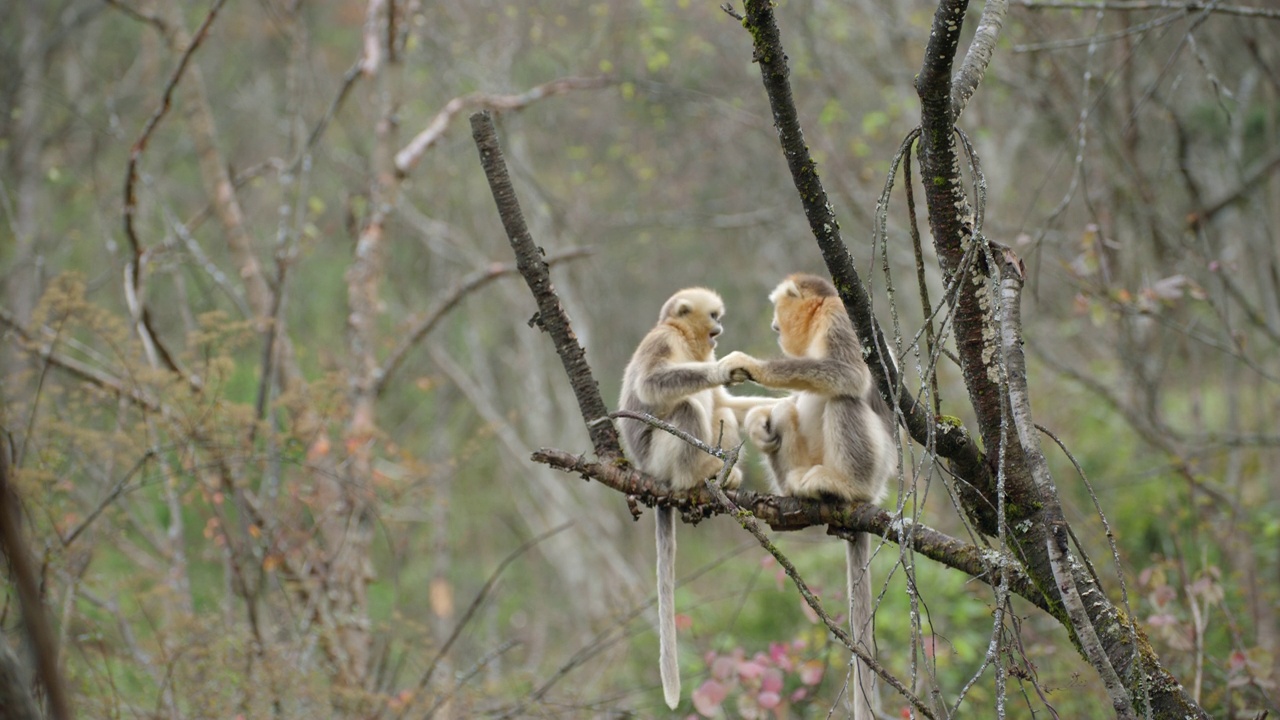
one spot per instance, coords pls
(742, 404)
(829, 376)
(670, 382)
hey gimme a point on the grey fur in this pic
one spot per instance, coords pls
(673, 376)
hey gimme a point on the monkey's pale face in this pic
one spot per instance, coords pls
(699, 312)
(792, 318)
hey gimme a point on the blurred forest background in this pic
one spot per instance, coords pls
(270, 391)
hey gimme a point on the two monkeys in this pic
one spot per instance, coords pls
(833, 436)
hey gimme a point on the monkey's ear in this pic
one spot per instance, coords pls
(787, 288)
(682, 308)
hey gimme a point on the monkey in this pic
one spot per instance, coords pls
(674, 377)
(834, 436)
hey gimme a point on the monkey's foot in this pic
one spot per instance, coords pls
(759, 423)
(820, 482)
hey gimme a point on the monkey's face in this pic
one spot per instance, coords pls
(792, 317)
(791, 322)
(708, 321)
(698, 312)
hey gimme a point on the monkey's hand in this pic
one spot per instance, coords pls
(739, 367)
(760, 429)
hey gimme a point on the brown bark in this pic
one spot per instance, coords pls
(551, 316)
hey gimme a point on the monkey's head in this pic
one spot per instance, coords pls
(696, 313)
(798, 312)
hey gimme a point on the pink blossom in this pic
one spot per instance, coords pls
(780, 657)
(750, 670)
(707, 698)
(769, 700)
(722, 667)
(772, 681)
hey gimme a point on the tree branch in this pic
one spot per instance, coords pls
(1056, 540)
(748, 523)
(783, 513)
(407, 159)
(965, 83)
(1148, 5)
(451, 298)
(43, 642)
(951, 440)
(142, 316)
(551, 316)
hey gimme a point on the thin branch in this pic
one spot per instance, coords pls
(1093, 40)
(451, 298)
(348, 81)
(1252, 178)
(479, 599)
(143, 315)
(84, 371)
(141, 17)
(42, 640)
(748, 523)
(1149, 5)
(551, 315)
(407, 159)
(976, 60)
(951, 441)
(784, 513)
(1056, 537)
(111, 497)
(474, 670)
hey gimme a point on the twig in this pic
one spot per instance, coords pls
(474, 670)
(478, 600)
(134, 284)
(748, 523)
(43, 642)
(1093, 40)
(1148, 5)
(451, 298)
(407, 159)
(116, 492)
(1056, 537)
(551, 316)
(792, 513)
(141, 17)
(978, 56)
(348, 81)
(84, 371)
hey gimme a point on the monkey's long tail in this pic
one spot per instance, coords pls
(668, 665)
(862, 692)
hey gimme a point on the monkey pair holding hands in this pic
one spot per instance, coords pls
(833, 436)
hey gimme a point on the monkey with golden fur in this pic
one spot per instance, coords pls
(834, 436)
(673, 376)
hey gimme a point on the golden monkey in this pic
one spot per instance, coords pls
(833, 436)
(674, 377)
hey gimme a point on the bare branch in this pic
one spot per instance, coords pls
(79, 369)
(784, 513)
(143, 316)
(978, 57)
(407, 159)
(43, 642)
(451, 298)
(1149, 5)
(1056, 539)
(748, 523)
(479, 599)
(551, 315)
